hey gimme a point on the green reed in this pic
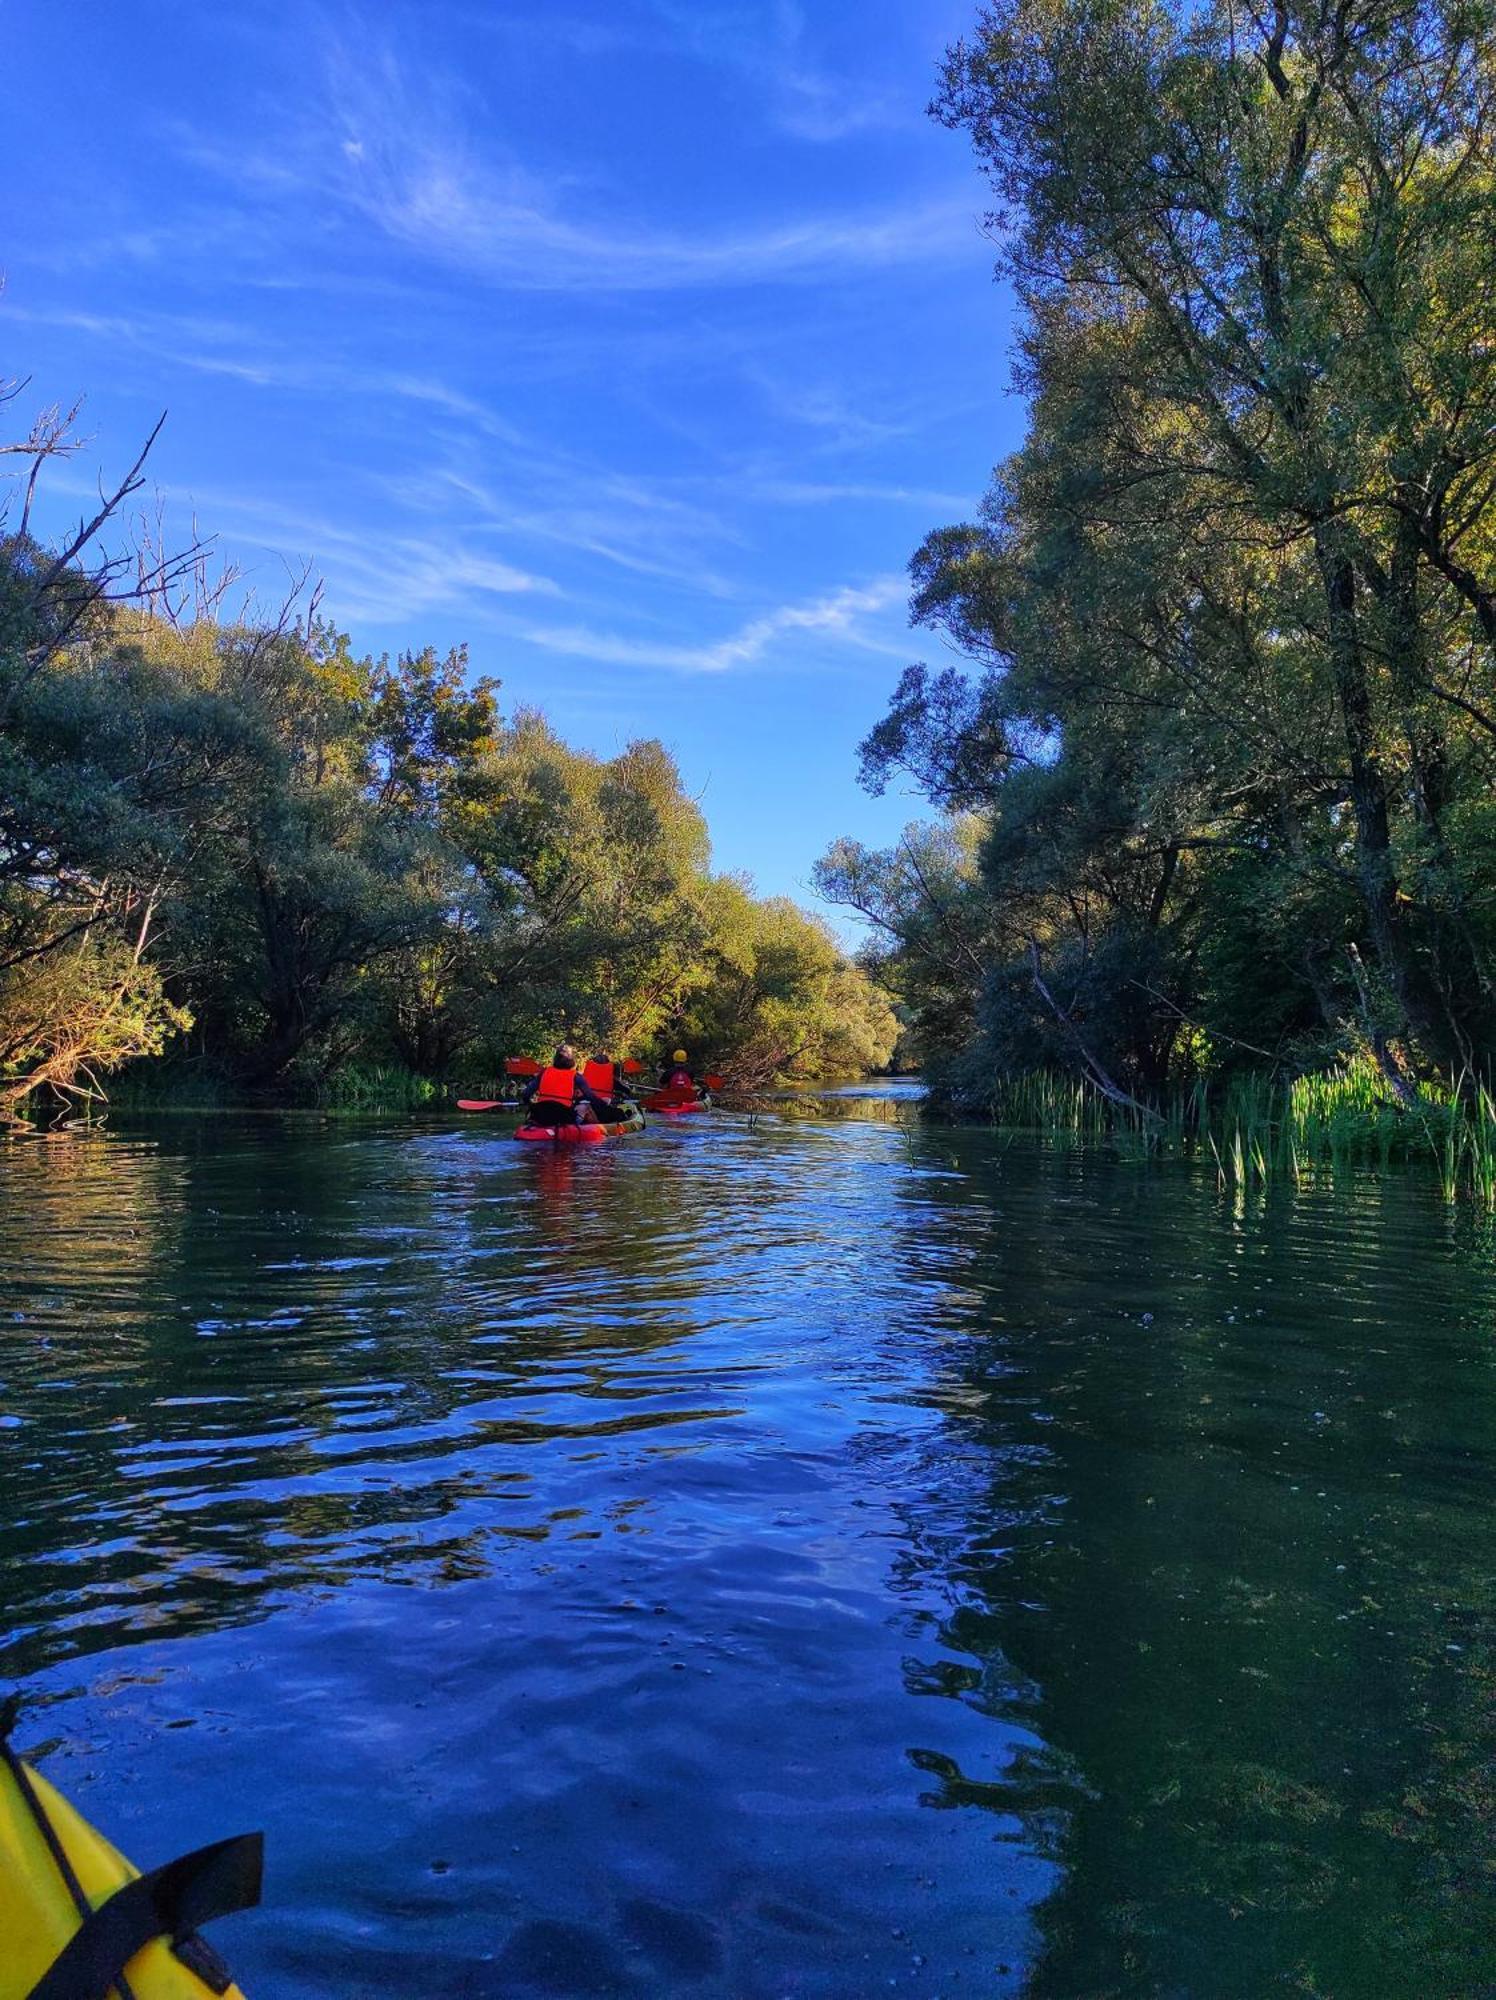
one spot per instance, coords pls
(1255, 1127)
(376, 1087)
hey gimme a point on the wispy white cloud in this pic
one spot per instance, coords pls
(374, 578)
(446, 517)
(479, 475)
(628, 522)
(826, 493)
(769, 46)
(248, 353)
(400, 147)
(825, 409)
(206, 346)
(555, 28)
(837, 618)
(497, 225)
(766, 46)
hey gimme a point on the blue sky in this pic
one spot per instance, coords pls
(636, 342)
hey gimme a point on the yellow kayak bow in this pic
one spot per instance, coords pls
(78, 1922)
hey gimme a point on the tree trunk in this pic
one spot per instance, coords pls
(1420, 1016)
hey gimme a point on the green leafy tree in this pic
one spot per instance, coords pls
(1230, 726)
(780, 999)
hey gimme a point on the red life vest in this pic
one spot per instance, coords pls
(556, 1086)
(599, 1076)
(679, 1080)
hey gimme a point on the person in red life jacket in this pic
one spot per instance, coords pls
(677, 1080)
(559, 1096)
(603, 1075)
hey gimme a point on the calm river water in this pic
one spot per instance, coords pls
(809, 1558)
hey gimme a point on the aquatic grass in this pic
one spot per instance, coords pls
(1059, 1106)
(377, 1087)
(152, 1086)
(1255, 1126)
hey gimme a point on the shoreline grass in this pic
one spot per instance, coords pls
(373, 1089)
(1256, 1126)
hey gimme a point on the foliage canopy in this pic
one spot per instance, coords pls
(1228, 728)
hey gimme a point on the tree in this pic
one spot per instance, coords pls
(1229, 606)
(780, 999)
(98, 759)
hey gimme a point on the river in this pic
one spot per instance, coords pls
(813, 1555)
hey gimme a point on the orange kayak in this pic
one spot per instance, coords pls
(581, 1135)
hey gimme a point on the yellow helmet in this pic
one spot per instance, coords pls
(679, 1056)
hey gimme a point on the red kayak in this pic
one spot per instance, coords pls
(675, 1107)
(580, 1135)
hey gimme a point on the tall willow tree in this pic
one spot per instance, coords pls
(1233, 604)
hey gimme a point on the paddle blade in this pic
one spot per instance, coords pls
(714, 1082)
(521, 1066)
(632, 1068)
(483, 1104)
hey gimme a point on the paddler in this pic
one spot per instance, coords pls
(677, 1080)
(604, 1076)
(561, 1096)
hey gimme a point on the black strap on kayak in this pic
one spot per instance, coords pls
(170, 1902)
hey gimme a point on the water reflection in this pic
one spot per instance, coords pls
(886, 1101)
(1212, 1520)
(799, 1556)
